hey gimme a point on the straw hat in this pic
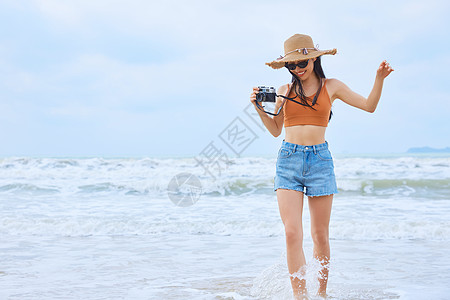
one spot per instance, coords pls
(298, 47)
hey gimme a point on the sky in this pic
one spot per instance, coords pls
(173, 78)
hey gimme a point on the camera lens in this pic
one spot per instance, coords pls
(259, 97)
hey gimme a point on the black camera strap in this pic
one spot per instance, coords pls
(291, 99)
(268, 112)
(314, 99)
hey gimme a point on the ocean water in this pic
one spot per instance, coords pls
(148, 228)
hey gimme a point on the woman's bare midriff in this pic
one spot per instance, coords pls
(305, 134)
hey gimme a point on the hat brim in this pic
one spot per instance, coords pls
(297, 56)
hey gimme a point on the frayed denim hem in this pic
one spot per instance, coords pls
(322, 194)
(288, 188)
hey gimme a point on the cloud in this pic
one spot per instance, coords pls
(80, 60)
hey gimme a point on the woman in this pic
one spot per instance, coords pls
(304, 163)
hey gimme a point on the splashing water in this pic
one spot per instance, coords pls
(274, 282)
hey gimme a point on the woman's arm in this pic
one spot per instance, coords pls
(343, 92)
(275, 124)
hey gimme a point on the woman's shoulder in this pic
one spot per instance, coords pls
(282, 90)
(333, 82)
(333, 85)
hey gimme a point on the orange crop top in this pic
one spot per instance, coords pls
(296, 114)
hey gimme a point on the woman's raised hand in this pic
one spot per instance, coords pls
(384, 70)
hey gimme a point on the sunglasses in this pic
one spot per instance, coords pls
(301, 64)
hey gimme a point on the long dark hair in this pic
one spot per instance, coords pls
(298, 88)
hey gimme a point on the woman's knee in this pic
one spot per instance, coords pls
(320, 237)
(294, 234)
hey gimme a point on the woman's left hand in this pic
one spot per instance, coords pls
(384, 70)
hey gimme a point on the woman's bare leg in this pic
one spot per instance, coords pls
(320, 210)
(290, 203)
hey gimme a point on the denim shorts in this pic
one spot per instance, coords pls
(307, 169)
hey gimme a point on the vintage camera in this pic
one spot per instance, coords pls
(266, 94)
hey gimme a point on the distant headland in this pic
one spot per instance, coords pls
(428, 150)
